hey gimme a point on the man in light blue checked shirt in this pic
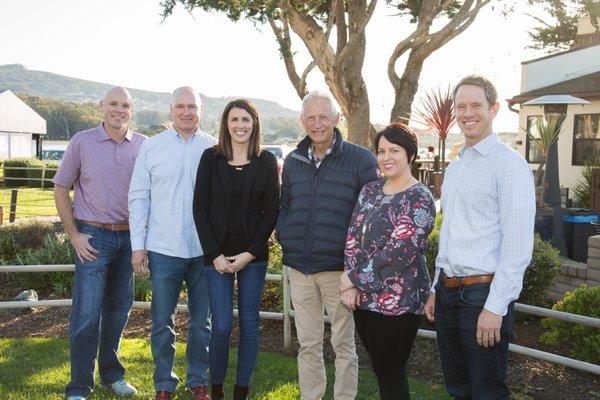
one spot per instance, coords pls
(486, 243)
(164, 241)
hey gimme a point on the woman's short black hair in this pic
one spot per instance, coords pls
(400, 134)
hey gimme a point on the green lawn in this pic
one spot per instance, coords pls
(39, 369)
(31, 202)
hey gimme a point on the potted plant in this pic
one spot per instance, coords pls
(548, 129)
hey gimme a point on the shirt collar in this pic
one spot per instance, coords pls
(485, 146)
(102, 135)
(178, 136)
(311, 150)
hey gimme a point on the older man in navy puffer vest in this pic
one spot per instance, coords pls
(321, 181)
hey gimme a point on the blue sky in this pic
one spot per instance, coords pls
(126, 43)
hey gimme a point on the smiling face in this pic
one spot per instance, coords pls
(392, 159)
(116, 109)
(240, 125)
(186, 110)
(319, 120)
(473, 113)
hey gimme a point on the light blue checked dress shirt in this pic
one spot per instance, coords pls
(162, 191)
(488, 203)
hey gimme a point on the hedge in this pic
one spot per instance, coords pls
(33, 176)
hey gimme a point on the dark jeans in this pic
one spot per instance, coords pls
(388, 340)
(167, 274)
(471, 371)
(102, 299)
(250, 283)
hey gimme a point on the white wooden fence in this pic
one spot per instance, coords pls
(288, 313)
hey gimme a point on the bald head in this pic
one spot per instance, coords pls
(118, 91)
(186, 109)
(116, 107)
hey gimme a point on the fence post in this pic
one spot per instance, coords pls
(1, 215)
(287, 296)
(13, 205)
(43, 174)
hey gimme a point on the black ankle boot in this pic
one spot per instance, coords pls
(240, 392)
(216, 392)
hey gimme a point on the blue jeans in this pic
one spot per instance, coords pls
(102, 299)
(470, 371)
(250, 281)
(167, 275)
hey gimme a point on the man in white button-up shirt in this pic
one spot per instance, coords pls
(486, 243)
(163, 236)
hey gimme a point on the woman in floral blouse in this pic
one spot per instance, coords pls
(386, 281)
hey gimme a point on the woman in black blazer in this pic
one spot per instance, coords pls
(236, 203)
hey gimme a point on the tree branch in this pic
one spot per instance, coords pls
(282, 36)
(323, 45)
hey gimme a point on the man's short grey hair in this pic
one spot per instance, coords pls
(318, 95)
(182, 89)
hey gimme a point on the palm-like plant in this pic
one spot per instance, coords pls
(548, 130)
(436, 112)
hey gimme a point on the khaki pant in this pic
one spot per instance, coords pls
(309, 295)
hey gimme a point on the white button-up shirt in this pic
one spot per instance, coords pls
(488, 203)
(162, 191)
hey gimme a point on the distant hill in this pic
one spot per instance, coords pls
(19, 79)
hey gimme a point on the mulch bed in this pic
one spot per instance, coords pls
(538, 379)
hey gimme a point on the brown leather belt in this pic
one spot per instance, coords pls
(454, 282)
(112, 227)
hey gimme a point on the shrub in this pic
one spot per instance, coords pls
(540, 275)
(20, 236)
(142, 288)
(8, 250)
(584, 340)
(433, 245)
(56, 249)
(9, 173)
(48, 175)
(272, 297)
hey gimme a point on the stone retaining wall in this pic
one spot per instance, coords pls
(573, 274)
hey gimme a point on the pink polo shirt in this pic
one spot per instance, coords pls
(100, 170)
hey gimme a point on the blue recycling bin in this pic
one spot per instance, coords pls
(578, 227)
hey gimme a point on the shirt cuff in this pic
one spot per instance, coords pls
(138, 244)
(436, 278)
(496, 306)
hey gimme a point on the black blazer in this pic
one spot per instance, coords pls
(212, 199)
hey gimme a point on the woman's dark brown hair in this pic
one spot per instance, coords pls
(400, 134)
(224, 145)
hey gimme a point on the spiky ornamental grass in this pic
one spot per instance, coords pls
(436, 112)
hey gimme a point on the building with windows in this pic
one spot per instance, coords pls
(574, 72)
(21, 128)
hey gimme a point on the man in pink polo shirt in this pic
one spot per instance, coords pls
(98, 163)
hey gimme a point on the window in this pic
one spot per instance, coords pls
(586, 138)
(532, 150)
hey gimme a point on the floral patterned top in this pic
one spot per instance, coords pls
(385, 248)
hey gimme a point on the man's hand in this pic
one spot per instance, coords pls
(351, 298)
(488, 328)
(430, 307)
(222, 265)
(240, 261)
(83, 248)
(139, 261)
(345, 282)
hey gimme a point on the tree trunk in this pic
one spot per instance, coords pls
(409, 84)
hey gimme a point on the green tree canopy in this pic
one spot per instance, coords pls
(558, 29)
